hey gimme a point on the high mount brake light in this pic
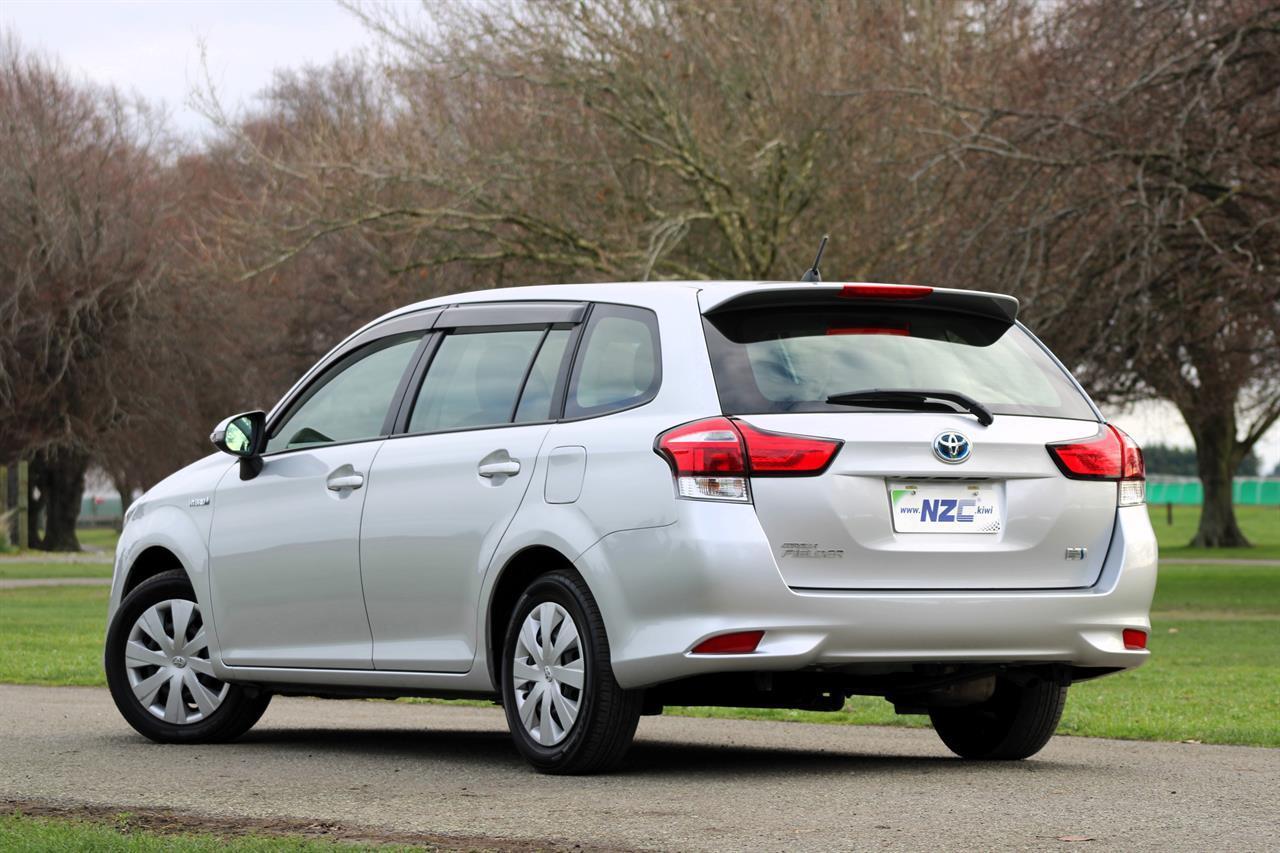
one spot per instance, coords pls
(900, 331)
(712, 458)
(1110, 455)
(885, 291)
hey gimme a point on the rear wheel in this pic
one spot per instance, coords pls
(1016, 722)
(566, 711)
(159, 672)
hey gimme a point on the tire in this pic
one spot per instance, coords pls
(134, 657)
(1015, 723)
(604, 725)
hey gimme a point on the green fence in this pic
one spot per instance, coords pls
(1250, 491)
(99, 510)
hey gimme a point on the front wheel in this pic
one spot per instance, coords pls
(1016, 722)
(158, 668)
(566, 711)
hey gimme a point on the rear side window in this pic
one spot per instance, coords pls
(536, 400)
(618, 365)
(777, 360)
(473, 380)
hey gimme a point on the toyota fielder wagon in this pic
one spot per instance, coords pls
(590, 502)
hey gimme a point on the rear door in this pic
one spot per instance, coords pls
(444, 490)
(920, 499)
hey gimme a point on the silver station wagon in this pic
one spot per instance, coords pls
(589, 502)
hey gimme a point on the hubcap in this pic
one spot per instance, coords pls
(548, 671)
(167, 660)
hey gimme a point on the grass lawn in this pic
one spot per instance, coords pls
(1212, 676)
(21, 833)
(54, 570)
(52, 634)
(98, 538)
(91, 539)
(1261, 524)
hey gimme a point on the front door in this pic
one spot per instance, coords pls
(285, 546)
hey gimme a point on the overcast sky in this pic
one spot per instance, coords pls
(153, 49)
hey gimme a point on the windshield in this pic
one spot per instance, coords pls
(777, 360)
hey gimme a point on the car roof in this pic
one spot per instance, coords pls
(639, 292)
(620, 291)
(710, 294)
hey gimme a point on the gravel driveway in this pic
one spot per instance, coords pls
(689, 784)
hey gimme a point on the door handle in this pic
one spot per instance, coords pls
(504, 468)
(347, 481)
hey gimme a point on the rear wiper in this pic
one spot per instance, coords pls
(911, 398)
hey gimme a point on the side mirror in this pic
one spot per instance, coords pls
(243, 436)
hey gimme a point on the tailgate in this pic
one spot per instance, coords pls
(1030, 527)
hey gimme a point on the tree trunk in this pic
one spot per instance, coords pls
(1217, 456)
(59, 475)
(37, 495)
(124, 485)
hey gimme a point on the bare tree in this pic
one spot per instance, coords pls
(628, 139)
(1113, 165)
(82, 205)
(1121, 172)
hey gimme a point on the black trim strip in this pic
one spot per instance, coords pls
(560, 394)
(397, 399)
(528, 370)
(413, 385)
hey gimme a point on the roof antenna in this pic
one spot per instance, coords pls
(812, 273)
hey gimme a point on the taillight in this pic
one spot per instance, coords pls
(1110, 455)
(707, 460)
(711, 459)
(885, 291)
(780, 454)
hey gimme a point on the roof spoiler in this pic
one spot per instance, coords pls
(995, 306)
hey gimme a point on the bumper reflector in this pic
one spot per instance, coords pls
(737, 643)
(1135, 639)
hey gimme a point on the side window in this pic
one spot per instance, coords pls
(535, 401)
(618, 363)
(473, 380)
(350, 402)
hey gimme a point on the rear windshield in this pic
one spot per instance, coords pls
(785, 359)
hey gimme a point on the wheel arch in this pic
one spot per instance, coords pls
(517, 573)
(151, 561)
(164, 538)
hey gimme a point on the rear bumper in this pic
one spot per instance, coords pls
(663, 590)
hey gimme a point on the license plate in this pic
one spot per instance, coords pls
(945, 507)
